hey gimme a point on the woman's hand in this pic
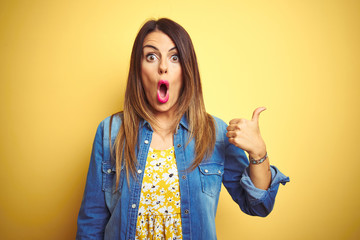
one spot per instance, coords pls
(245, 134)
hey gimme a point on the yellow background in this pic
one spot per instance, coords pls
(64, 66)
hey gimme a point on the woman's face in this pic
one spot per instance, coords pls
(161, 72)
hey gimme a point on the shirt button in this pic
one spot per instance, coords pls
(179, 145)
(146, 141)
(133, 206)
(109, 170)
(186, 211)
(184, 177)
(206, 170)
(219, 172)
(139, 171)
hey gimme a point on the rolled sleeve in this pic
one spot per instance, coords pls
(258, 196)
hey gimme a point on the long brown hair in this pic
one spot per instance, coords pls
(136, 107)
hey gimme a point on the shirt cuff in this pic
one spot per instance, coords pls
(256, 195)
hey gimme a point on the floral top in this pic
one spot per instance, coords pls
(159, 215)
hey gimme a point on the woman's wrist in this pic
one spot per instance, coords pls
(259, 160)
(257, 154)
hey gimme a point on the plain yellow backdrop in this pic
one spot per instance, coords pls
(63, 69)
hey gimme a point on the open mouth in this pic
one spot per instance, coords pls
(163, 91)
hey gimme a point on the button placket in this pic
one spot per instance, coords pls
(136, 185)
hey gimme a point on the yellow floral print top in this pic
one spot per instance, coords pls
(159, 215)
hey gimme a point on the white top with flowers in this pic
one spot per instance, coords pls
(159, 215)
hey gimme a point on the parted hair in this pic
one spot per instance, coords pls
(190, 102)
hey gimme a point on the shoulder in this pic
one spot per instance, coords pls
(111, 125)
(115, 119)
(220, 127)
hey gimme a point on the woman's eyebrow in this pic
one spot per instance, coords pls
(151, 46)
(173, 48)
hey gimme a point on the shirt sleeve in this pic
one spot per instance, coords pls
(262, 201)
(236, 179)
(94, 214)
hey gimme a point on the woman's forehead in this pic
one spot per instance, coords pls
(159, 40)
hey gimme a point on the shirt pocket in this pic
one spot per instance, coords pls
(109, 177)
(211, 178)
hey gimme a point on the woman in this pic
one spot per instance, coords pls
(168, 158)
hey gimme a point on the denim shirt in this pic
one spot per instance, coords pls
(109, 214)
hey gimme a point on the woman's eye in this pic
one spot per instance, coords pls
(175, 58)
(150, 57)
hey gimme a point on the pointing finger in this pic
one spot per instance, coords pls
(256, 114)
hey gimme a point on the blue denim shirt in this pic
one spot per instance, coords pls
(109, 214)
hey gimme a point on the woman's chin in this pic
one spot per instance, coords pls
(164, 108)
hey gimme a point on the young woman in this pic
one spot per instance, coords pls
(156, 167)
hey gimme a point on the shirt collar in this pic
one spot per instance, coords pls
(145, 123)
(183, 122)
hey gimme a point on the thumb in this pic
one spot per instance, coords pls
(256, 113)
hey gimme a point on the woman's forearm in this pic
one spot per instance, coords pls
(260, 174)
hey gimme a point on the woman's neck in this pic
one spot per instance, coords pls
(165, 122)
(164, 131)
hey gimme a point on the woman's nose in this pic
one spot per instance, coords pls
(163, 67)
